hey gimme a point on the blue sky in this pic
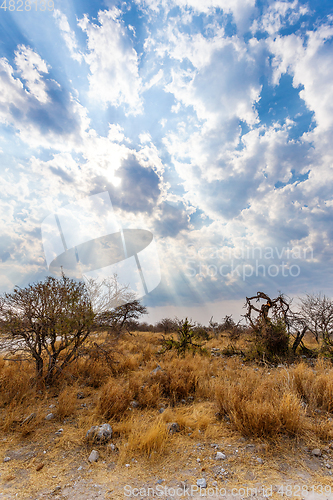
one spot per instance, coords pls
(209, 123)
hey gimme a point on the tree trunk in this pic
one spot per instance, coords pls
(298, 339)
(39, 367)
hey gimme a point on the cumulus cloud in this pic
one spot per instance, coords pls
(194, 162)
(68, 34)
(114, 76)
(277, 15)
(44, 114)
(307, 59)
(242, 10)
(30, 66)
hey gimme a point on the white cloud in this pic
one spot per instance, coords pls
(309, 62)
(38, 120)
(277, 14)
(114, 76)
(68, 34)
(11, 91)
(30, 65)
(221, 82)
(242, 10)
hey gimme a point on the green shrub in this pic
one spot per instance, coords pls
(185, 341)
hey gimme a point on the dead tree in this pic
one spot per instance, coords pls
(280, 308)
(271, 334)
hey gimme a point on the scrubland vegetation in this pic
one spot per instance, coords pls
(200, 392)
(224, 379)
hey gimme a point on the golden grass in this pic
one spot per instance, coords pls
(148, 439)
(16, 382)
(315, 386)
(67, 402)
(257, 401)
(114, 399)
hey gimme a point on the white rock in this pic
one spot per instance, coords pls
(220, 456)
(6, 459)
(316, 452)
(49, 416)
(260, 460)
(99, 434)
(202, 483)
(94, 456)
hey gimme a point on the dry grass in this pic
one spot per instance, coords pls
(251, 400)
(67, 402)
(114, 399)
(148, 439)
(266, 403)
(315, 386)
(16, 382)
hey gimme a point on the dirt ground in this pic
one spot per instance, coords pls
(48, 467)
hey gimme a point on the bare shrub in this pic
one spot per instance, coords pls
(271, 335)
(50, 320)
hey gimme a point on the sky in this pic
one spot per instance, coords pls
(205, 127)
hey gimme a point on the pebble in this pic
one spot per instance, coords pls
(220, 456)
(49, 416)
(260, 460)
(316, 452)
(202, 483)
(99, 434)
(94, 456)
(173, 427)
(6, 459)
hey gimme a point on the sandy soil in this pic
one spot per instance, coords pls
(51, 469)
